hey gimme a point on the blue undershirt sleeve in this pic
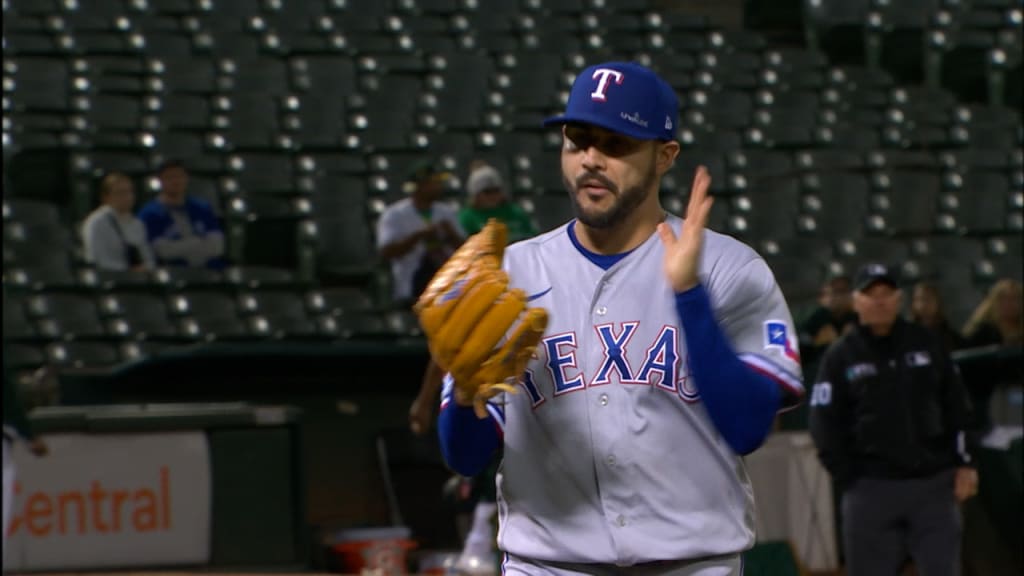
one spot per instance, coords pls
(742, 403)
(467, 442)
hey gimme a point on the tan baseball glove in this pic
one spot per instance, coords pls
(466, 312)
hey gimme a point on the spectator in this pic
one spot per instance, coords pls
(833, 317)
(417, 234)
(996, 321)
(114, 238)
(183, 230)
(487, 199)
(889, 418)
(926, 309)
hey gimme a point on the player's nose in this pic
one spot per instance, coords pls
(592, 158)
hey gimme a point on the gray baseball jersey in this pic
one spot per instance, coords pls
(609, 454)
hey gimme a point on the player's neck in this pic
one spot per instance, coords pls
(625, 236)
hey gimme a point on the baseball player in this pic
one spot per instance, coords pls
(647, 356)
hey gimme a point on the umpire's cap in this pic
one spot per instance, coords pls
(623, 97)
(874, 273)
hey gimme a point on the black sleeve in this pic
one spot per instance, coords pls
(956, 409)
(829, 406)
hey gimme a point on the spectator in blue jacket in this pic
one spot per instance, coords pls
(183, 230)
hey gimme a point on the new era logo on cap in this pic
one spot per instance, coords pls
(624, 97)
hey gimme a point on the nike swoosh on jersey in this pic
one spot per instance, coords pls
(533, 297)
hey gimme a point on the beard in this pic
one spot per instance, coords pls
(624, 203)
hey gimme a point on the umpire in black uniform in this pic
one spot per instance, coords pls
(888, 414)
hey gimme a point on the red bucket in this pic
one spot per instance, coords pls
(377, 551)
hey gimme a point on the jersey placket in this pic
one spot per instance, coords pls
(607, 404)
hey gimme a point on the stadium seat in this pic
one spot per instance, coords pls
(179, 278)
(769, 209)
(23, 356)
(799, 279)
(898, 37)
(338, 301)
(146, 314)
(363, 325)
(17, 323)
(848, 137)
(837, 204)
(901, 159)
(263, 173)
(324, 74)
(38, 82)
(31, 212)
(756, 164)
(134, 350)
(82, 355)
(181, 111)
(253, 277)
(114, 112)
(223, 328)
(863, 250)
(970, 159)
(113, 280)
(346, 239)
(727, 110)
(986, 204)
(836, 27)
(47, 275)
(284, 314)
(318, 120)
(60, 315)
(909, 202)
(272, 303)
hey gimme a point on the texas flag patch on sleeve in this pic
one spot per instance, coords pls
(776, 337)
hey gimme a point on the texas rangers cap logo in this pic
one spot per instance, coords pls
(602, 75)
(624, 97)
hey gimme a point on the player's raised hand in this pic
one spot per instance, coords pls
(682, 254)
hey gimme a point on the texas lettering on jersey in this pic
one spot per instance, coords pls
(659, 364)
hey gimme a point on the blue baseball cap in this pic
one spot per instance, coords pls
(623, 97)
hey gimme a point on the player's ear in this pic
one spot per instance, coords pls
(666, 155)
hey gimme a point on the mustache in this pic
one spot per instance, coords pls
(593, 177)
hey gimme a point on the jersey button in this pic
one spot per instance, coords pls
(601, 310)
(604, 399)
(611, 461)
(621, 520)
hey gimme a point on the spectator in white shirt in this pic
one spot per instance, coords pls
(417, 234)
(114, 238)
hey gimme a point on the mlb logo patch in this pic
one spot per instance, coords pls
(776, 336)
(858, 371)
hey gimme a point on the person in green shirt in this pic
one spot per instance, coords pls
(487, 199)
